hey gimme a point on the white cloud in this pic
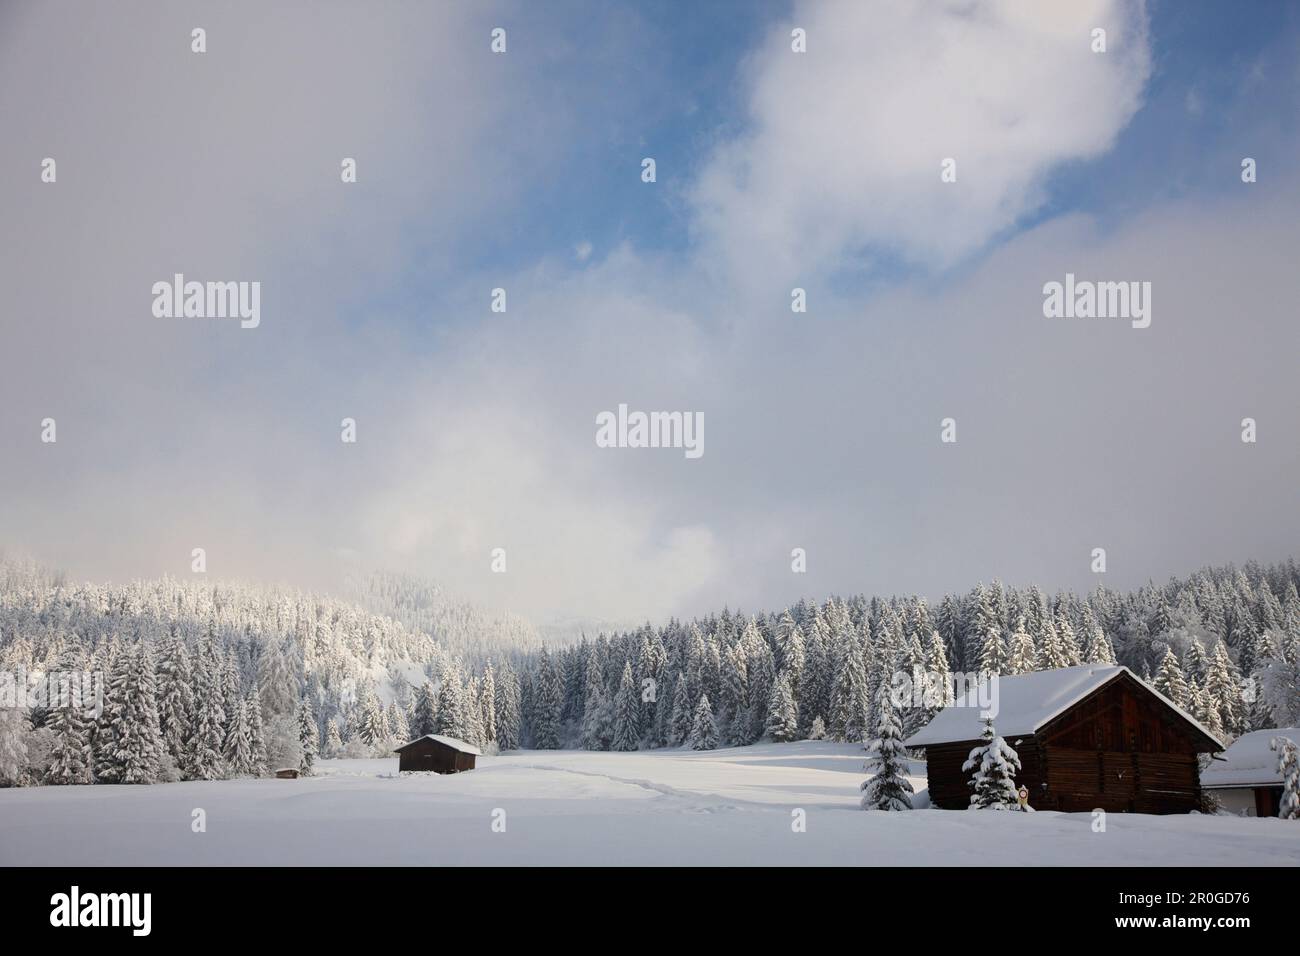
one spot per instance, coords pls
(845, 142)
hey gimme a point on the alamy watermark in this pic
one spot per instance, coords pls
(626, 429)
(1084, 299)
(53, 690)
(932, 690)
(179, 299)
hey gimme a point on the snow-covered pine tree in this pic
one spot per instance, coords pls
(888, 788)
(995, 765)
(818, 729)
(1098, 650)
(488, 704)
(1021, 654)
(176, 703)
(137, 737)
(450, 720)
(1066, 638)
(814, 687)
(992, 652)
(257, 764)
(205, 759)
(1278, 680)
(1288, 768)
(1051, 650)
(627, 716)
(679, 730)
(548, 705)
(782, 719)
(597, 720)
(760, 672)
(70, 722)
(849, 705)
(733, 700)
(371, 726)
(333, 739)
(939, 692)
(398, 729)
(106, 763)
(704, 735)
(473, 713)
(13, 746)
(308, 737)
(507, 708)
(1223, 690)
(1169, 678)
(791, 650)
(238, 748)
(426, 707)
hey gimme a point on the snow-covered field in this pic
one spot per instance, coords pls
(671, 807)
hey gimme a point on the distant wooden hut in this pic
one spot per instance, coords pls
(287, 773)
(436, 753)
(1092, 736)
(1246, 779)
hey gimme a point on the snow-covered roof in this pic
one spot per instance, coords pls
(451, 742)
(1027, 702)
(1248, 762)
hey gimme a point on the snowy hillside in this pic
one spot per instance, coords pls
(667, 807)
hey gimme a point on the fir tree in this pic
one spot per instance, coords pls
(782, 719)
(680, 725)
(993, 652)
(424, 721)
(258, 760)
(597, 720)
(1099, 650)
(1169, 679)
(488, 704)
(849, 701)
(130, 741)
(308, 736)
(1020, 651)
(333, 739)
(508, 708)
(398, 729)
(549, 704)
(70, 723)
(451, 719)
(206, 761)
(1222, 688)
(627, 717)
(734, 695)
(176, 706)
(704, 735)
(994, 764)
(238, 748)
(888, 788)
(14, 726)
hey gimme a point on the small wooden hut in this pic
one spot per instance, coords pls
(436, 753)
(287, 773)
(1091, 736)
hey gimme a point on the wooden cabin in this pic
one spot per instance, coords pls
(287, 773)
(1246, 780)
(1088, 737)
(436, 753)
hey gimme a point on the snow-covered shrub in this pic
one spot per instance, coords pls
(994, 764)
(1288, 767)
